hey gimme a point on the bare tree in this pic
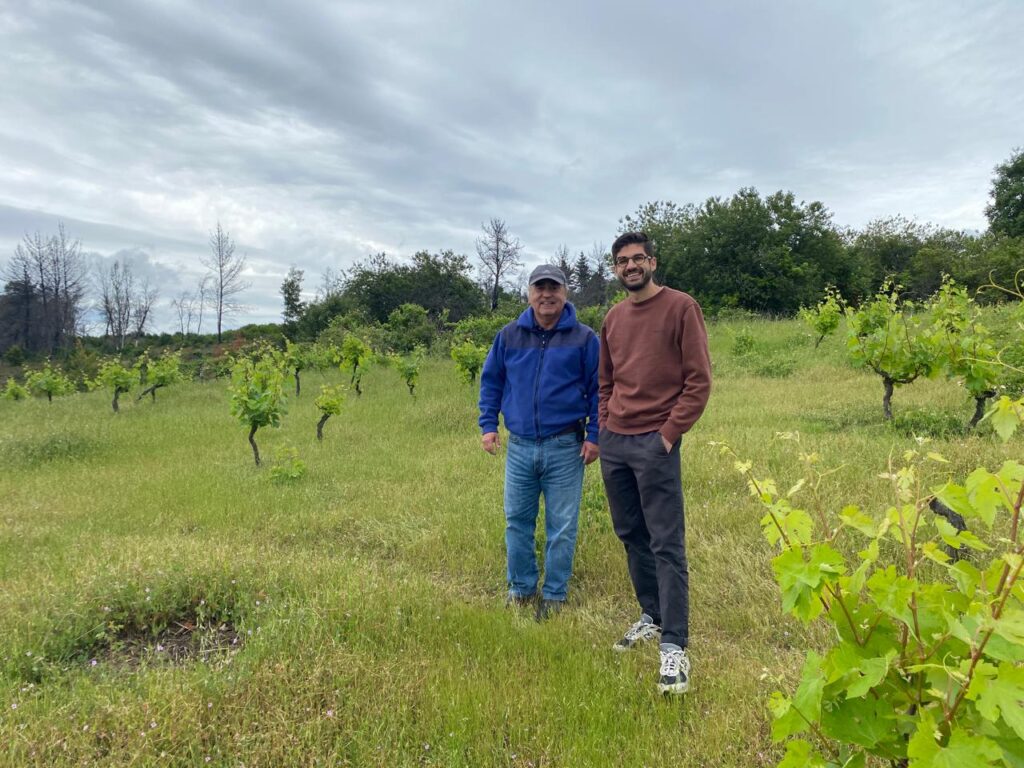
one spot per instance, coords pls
(331, 284)
(45, 291)
(202, 301)
(142, 307)
(225, 274)
(182, 306)
(116, 286)
(499, 255)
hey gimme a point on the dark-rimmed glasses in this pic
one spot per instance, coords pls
(638, 259)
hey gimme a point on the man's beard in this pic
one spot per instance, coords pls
(634, 287)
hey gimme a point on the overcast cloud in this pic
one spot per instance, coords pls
(320, 132)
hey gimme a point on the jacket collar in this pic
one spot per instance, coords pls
(566, 322)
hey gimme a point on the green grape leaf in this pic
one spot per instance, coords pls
(865, 722)
(1004, 418)
(800, 755)
(967, 577)
(1010, 626)
(871, 673)
(795, 715)
(986, 496)
(962, 751)
(999, 691)
(852, 517)
(891, 592)
(955, 497)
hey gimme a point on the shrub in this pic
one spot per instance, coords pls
(469, 360)
(14, 391)
(50, 382)
(14, 355)
(923, 666)
(257, 395)
(409, 327)
(480, 330)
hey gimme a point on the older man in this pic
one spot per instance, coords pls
(541, 375)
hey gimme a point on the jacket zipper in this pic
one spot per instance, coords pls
(536, 383)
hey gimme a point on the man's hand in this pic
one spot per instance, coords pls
(666, 443)
(589, 452)
(492, 443)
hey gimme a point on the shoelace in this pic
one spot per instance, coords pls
(672, 662)
(638, 630)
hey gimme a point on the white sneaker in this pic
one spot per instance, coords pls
(675, 669)
(643, 630)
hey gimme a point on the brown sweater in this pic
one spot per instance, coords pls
(655, 373)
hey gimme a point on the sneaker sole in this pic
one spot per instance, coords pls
(674, 689)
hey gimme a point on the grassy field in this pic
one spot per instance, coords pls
(356, 616)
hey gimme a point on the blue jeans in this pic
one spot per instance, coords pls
(553, 467)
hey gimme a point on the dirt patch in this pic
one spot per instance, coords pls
(179, 643)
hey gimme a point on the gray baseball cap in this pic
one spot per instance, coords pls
(547, 272)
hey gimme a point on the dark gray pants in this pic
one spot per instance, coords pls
(645, 493)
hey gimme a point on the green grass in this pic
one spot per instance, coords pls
(369, 593)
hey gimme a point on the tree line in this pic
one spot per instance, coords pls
(760, 253)
(50, 289)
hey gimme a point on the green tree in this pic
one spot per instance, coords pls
(291, 294)
(1006, 211)
(440, 283)
(767, 254)
(409, 327)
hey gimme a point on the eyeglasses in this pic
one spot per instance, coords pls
(638, 259)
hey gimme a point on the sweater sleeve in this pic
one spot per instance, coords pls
(696, 375)
(492, 386)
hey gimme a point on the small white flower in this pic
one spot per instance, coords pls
(330, 713)
(14, 706)
(152, 723)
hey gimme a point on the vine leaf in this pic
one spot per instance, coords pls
(962, 751)
(999, 691)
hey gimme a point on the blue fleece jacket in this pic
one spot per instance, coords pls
(541, 381)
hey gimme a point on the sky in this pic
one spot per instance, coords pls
(318, 133)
